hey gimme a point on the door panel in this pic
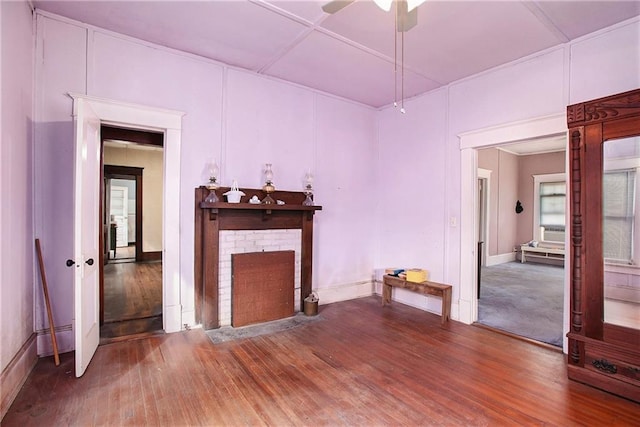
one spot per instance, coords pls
(86, 234)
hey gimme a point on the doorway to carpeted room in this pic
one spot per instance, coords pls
(523, 299)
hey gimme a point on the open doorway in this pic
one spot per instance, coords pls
(121, 216)
(521, 272)
(132, 193)
(124, 210)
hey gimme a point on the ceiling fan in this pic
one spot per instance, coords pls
(406, 10)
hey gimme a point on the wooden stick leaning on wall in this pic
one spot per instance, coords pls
(52, 330)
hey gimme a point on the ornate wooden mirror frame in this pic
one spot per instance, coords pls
(601, 354)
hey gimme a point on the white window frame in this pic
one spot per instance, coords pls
(614, 165)
(537, 180)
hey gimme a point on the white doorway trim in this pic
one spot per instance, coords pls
(170, 123)
(469, 143)
(484, 208)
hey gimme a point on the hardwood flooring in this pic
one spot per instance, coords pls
(126, 253)
(359, 364)
(132, 299)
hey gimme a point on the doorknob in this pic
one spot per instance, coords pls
(89, 261)
(70, 262)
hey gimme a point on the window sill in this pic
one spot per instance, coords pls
(612, 267)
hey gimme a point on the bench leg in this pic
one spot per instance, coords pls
(386, 294)
(446, 306)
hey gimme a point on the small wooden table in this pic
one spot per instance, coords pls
(426, 288)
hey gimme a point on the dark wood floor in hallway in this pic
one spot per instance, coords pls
(360, 364)
(132, 290)
(132, 299)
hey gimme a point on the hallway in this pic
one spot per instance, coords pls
(132, 299)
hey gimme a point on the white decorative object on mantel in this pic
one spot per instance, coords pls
(234, 194)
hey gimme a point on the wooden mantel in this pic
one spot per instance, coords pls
(211, 218)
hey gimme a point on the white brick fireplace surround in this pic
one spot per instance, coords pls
(244, 241)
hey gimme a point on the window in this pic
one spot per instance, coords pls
(550, 201)
(618, 215)
(552, 217)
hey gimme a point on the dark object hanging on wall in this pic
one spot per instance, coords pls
(519, 207)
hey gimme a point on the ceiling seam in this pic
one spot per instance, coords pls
(371, 52)
(316, 26)
(285, 13)
(537, 11)
(285, 50)
(310, 26)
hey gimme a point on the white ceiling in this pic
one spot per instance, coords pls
(537, 146)
(351, 53)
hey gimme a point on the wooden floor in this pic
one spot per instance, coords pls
(360, 364)
(125, 252)
(132, 299)
(132, 290)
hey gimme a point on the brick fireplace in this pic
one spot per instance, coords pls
(223, 229)
(234, 242)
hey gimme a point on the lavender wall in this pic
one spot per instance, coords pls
(390, 183)
(16, 208)
(602, 63)
(344, 160)
(394, 203)
(605, 63)
(61, 70)
(241, 119)
(410, 193)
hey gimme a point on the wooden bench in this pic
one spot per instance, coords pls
(425, 288)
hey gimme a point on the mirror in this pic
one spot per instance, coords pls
(621, 231)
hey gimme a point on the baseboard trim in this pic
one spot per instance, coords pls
(65, 338)
(464, 311)
(150, 256)
(344, 292)
(500, 259)
(518, 337)
(15, 374)
(172, 318)
(188, 319)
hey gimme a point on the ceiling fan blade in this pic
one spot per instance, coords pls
(406, 19)
(336, 5)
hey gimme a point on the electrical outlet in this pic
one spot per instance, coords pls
(453, 221)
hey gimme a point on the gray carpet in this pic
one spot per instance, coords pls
(229, 333)
(524, 299)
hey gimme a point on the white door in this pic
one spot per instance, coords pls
(119, 209)
(86, 234)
